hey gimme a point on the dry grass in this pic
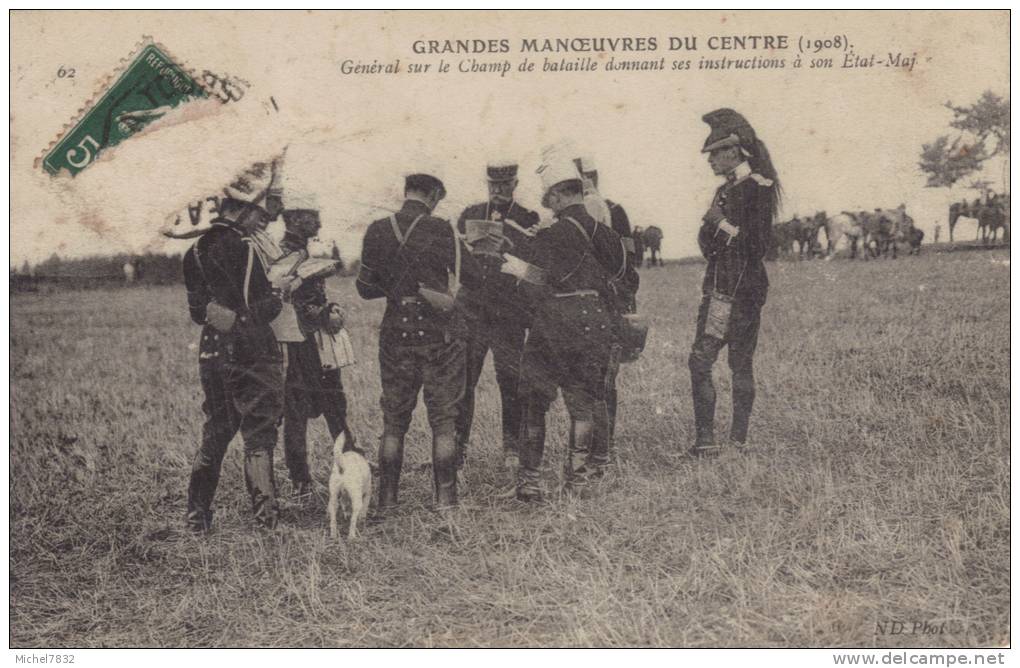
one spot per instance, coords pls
(878, 492)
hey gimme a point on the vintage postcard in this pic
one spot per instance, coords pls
(678, 329)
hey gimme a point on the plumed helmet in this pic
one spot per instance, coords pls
(728, 128)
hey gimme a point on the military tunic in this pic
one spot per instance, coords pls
(310, 390)
(736, 269)
(240, 370)
(569, 344)
(496, 319)
(419, 346)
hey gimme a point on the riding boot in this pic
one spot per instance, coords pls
(258, 477)
(577, 473)
(532, 447)
(602, 434)
(201, 491)
(743, 401)
(444, 470)
(703, 392)
(391, 459)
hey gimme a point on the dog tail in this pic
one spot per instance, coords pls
(351, 444)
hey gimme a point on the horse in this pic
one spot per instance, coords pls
(844, 224)
(957, 210)
(990, 219)
(782, 240)
(652, 236)
(901, 229)
(914, 237)
(805, 232)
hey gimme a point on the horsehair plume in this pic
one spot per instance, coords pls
(761, 163)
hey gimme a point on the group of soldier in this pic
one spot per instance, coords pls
(552, 303)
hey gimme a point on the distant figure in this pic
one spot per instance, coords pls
(129, 273)
(335, 253)
(938, 231)
(639, 246)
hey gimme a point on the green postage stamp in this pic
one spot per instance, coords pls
(147, 89)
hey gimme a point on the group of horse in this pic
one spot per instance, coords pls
(871, 234)
(991, 216)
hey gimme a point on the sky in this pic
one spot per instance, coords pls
(840, 139)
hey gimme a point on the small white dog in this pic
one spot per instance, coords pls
(350, 478)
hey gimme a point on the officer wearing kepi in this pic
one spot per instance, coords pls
(624, 293)
(734, 238)
(494, 313)
(407, 259)
(310, 390)
(240, 363)
(569, 343)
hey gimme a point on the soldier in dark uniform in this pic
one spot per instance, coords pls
(240, 363)
(734, 238)
(310, 390)
(407, 259)
(569, 343)
(495, 317)
(625, 294)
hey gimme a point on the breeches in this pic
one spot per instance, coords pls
(246, 397)
(438, 369)
(506, 340)
(579, 372)
(741, 337)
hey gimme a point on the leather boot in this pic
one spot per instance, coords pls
(532, 440)
(577, 473)
(444, 470)
(703, 392)
(201, 490)
(743, 401)
(391, 459)
(601, 443)
(258, 476)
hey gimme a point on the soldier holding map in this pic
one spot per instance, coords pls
(495, 317)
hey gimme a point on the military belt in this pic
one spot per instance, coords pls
(578, 293)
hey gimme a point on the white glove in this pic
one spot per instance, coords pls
(513, 265)
(725, 226)
(220, 317)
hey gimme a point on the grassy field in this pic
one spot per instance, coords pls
(878, 490)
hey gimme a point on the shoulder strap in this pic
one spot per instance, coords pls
(456, 258)
(403, 237)
(580, 228)
(623, 266)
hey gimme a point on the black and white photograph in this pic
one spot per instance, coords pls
(510, 329)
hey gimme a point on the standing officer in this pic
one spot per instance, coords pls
(240, 364)
(624, 292)
(734, 237)
(495, 317)
(569, 343)
(310, 390)
(408, 258)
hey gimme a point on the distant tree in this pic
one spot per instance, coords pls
(983, 133)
